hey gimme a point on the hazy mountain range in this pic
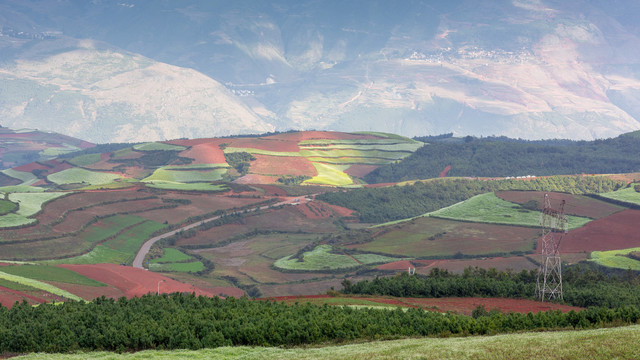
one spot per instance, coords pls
(113, 71)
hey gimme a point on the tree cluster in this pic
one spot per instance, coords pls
(180, 321)
(382, 204)
(493, 157)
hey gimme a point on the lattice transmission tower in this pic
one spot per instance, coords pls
(554, 226)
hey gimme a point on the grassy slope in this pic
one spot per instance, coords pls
(613, 343)
(78, 176)
(629, 195)
(616, 259)
(488, 208)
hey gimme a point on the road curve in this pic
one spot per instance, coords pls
(144, 249)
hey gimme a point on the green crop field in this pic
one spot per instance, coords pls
(16, 286)
(38, 285)
(50, 273)
(121, 249)
(155, 146)
(25, 177)
(85, 160)
(488, 208)
(31, 203)
(330, 175)
(376, 259)
(196, 166)
(20, 189)
(317, 259)
(186, 176)
(193, 266)
(7, 206)
(616, 259)
(12, 220)
(628, 195)
(168, 185)
(82, 176)
(171, 255)
(108, 227)
(57, 151)
(598, 344)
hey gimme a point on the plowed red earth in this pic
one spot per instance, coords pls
(8, 297)
(136, 282)
(453, 304)
(269, 144)
(574, 204)
(359, 170)
(282, 165)
(30, 167)
(618, 231)
(514, 263)
(207, 153)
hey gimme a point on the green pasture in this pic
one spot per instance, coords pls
(124, 183)
(193, 266)
(330, 175)
(317, 259)
(122, 248)
(82, 176)
(490, 209)
(597, 344)
(260, 151)
(156, 146)
(108, 227)
(199, 186)
(20, 189)
(13, 220)
(616, 259)
(27, 178)
(175, 260)
(196, 166)
(171, 255)
(376, 259)
(50, 273)
(38, 285)
(628, 195)
(16, 286)
(7, 206)
(31, 203)
(85, 160)
(57, 151)
(186, 176)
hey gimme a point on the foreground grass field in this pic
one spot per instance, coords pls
(613, 343)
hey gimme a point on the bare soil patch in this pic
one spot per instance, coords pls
(618, 231)
(574, 204)
(206, 153)
(359, 170)
(282, 165)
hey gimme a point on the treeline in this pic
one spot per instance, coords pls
(377, 205)
(180, 321)
(583, 286)
(487, 158)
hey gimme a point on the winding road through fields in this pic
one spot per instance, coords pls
(144, 249)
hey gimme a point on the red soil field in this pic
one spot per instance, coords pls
(359, 170)
(194, 142)
(256, 179)
(341, 211)
(30, 167)
(207, 153)
(618, 231)
(269, 144)
(136, 282)
(282, 165)
(8, 297)
(396, 265)
(444, 172)
(272, 190)
(5, 264)
(57, 166)
(319, 210)
(574, 204)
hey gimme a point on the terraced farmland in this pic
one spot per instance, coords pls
(82, 176)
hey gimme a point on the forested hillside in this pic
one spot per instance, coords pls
(500, 157)
(376, 205)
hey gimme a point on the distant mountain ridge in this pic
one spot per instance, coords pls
(522, 68)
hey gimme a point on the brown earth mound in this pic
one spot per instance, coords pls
(206, 153)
